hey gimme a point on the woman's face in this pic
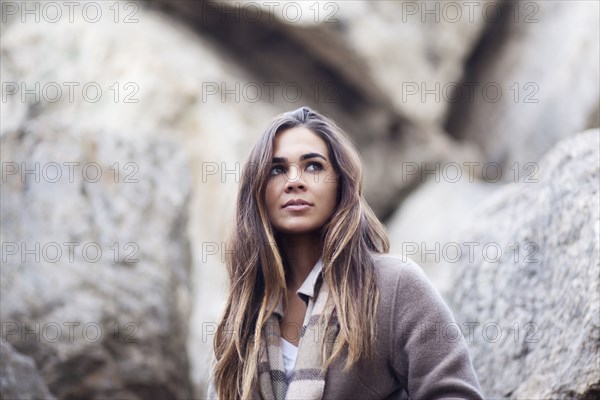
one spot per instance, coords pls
(301, 193)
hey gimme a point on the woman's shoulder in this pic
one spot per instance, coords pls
(395, 266)
(396, 271)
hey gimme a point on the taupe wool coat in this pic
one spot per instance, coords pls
(418, 351)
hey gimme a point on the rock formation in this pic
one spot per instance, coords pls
(96, 273)
(530, 305)
(19, 377)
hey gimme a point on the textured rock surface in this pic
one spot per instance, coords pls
(172, 68)
(387, 46)
(95, 277)
(547, 71)
(19, 377)
(544, 297)
(430, 215)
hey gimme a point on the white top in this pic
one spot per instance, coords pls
(290, 352)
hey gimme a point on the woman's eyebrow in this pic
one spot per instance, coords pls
(311, 155)
(282, 160)
(279, 160)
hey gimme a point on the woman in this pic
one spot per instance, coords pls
(315, 310)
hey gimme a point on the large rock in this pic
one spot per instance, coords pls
(19, 377)
(95, 276)
(420, 228)
(176, 81)
(388, 50)
(534, 310)
(536, 82)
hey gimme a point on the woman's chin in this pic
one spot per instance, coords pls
(297, 230)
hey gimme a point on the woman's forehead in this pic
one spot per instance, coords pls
(298, 141)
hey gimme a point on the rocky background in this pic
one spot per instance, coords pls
(125, 125)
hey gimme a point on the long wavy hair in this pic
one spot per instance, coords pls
(256, 265)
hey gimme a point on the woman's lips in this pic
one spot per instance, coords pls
(297, 207)
(296, 202)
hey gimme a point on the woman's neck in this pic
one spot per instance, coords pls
(301, 253)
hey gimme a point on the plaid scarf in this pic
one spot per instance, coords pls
(308, 378)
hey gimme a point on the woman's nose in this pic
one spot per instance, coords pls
(294, 179)
(289, 186)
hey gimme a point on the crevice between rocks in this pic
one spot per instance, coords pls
(483, 54)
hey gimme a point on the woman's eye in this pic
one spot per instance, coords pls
(314, 166)
(277, 170)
